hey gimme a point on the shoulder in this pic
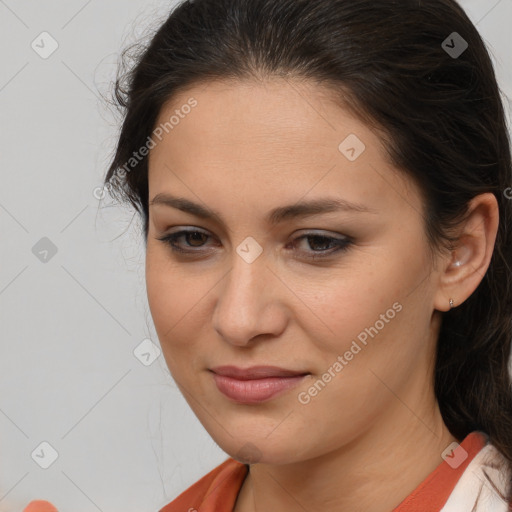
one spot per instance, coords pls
(484, 484)
(217, 488)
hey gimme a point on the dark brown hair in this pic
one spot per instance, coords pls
(441, 114)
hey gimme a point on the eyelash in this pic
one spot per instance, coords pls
(341, 244)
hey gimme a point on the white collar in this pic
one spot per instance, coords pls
(474, 492)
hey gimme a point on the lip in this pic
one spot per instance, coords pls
(255, 384)
(255, 372)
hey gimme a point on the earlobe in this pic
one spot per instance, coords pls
(456, 280)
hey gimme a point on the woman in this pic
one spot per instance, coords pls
(325, 191)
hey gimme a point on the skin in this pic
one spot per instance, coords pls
(374, 432)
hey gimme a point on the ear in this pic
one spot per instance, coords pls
(464, 268)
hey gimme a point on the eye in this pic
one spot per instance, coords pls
(194, 236)
(322, 242)
(326, 245)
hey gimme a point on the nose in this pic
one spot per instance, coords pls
(251, 303)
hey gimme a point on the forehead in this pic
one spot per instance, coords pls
(259, 137)
(253, 112)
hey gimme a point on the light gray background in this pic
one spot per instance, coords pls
(125, 437)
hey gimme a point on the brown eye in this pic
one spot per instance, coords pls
(323, 246)
(193, 238)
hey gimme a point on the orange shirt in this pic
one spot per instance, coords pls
(40, 506)
(218, 490)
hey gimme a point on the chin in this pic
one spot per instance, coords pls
(260, 450)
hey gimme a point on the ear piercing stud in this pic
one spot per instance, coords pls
(451, 303)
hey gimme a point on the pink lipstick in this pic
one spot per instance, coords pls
(255, 384)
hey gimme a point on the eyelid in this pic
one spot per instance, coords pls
(340, 242)
(306, 232)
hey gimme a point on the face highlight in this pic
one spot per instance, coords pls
(280, 235)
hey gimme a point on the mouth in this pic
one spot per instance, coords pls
(256, 384)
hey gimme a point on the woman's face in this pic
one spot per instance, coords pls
(358, 320)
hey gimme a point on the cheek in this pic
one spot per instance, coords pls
(368, 317)
(177, 299)
(161, 292)
(168, 306)
(343, 307)
(171, 291)
(170, 296)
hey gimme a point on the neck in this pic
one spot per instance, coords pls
(374, 472)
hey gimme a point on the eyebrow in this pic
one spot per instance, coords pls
(275, 216)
